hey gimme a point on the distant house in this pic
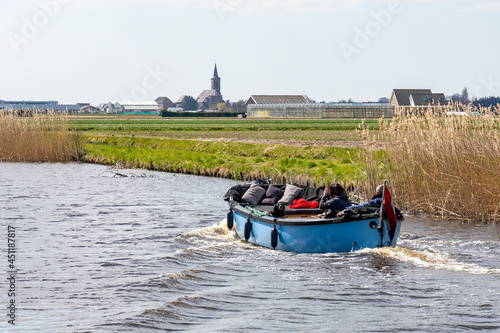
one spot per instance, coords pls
(89, 109)
(406, 99)
(164, 103)
(132, 107)
(277, 99)
(180, 101)
(213, 96)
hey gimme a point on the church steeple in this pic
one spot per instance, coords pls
(216, 81)
(215, 71)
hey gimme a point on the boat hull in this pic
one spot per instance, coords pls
(308, 235)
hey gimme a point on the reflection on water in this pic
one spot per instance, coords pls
(150, 252)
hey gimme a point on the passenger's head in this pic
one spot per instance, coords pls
(380, 189)
(336, 189)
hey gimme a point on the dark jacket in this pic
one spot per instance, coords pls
(376, 201)
(337, 203)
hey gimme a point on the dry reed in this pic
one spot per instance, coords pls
(36, 137)
(443, 164)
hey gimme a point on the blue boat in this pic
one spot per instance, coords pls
(308, 230)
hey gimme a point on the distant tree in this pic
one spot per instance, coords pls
(384, 100)
(460, 98)
(455, 97)
(464, 98)
(189, 104)
(221, 107)
(238, 106)
(487, 101)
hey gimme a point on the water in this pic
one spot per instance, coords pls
(149, 253)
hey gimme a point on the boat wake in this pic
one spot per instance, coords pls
(420, 252)
(430, 257)
(215, 240)
(218, 232)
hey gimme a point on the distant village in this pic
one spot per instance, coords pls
(206, 100)
(287, 106)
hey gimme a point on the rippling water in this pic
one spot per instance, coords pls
(150, 252)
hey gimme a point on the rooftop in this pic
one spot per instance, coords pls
(277, 99)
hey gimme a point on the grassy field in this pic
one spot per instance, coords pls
(288, 150)
(152, 126)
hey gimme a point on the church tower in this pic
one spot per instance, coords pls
(216, 81)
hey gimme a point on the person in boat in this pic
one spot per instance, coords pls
(375, 201)
(334, 198)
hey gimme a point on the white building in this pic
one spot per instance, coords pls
(39, 106)
(132, 107)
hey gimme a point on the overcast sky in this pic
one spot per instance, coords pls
(102, 50)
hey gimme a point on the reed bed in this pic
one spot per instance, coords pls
(37, 137)
(442, 164)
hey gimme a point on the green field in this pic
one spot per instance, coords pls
(221, 128)
(302, 151)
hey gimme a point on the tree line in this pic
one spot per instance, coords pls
(463, 98)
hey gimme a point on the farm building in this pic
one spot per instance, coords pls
(407, 100)
(132, 107)
(87, 108)
(277, 99)
(321, 110)
(41, 106)
(164, 103)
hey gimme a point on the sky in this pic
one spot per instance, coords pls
(96, 51)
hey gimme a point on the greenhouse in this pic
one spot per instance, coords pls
(321, 110)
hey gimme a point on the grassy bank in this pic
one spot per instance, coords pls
(285, 163)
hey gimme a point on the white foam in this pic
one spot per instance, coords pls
(215, 232)
(430, 258)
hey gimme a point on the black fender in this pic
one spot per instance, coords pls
(274, 238)
(248, 229)
(230, 220)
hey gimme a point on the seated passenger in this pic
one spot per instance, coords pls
(334, 198)
(375, 201)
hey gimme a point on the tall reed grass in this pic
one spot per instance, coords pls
(442, 164)
(37, 137)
